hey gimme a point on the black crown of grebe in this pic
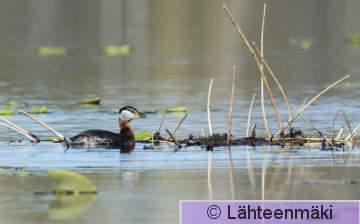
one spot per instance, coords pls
(125, 139)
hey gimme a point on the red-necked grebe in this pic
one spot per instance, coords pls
(125, 140)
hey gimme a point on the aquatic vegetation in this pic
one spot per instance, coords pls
(353, 40)
(39, 110)
(69, 182)
(51, 51)
(144, 136)
(95, 100)
(6, 111)
(11, 103)
(112, 50)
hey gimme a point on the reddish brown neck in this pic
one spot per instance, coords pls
(124, 124)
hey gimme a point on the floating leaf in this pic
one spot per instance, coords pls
(69, 206)
(39, 110)
(11, 103)
(350, 85)
(144, 136)
(177, 110)
(6, 111)
(353, 40)
(112, 50)
(69, 182)
(49, 51)
(95, 100)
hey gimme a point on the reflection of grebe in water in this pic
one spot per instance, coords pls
(125, 139)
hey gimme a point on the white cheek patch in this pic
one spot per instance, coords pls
(126, 115)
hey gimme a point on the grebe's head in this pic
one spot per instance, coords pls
(128, 113)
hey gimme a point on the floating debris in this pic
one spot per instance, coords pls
(112, 50)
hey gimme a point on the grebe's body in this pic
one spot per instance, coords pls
(125, 139)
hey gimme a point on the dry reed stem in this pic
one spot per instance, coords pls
(313, 126)
(231, 107)
(311, 101)
(173, 138)
(349, 128)
(258, 64)
(20, 131)
(261, 79)
(333, 124)
(28, 134)
(208, 107)
(339, 134)
(46, 126)
(177, 126)
(162, 120)
(249, 116)
(354, 133)
(275, 79)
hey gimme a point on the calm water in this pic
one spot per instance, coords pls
(178, 47)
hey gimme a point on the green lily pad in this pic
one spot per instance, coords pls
(11, 103)
(112, 50)
(69, 182)
(50, 51)
(144, 135)
(6, 111)
(95, 100)
(353, 40)
(39, 110)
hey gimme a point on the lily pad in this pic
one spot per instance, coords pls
(144, 136)
(69, 182)
(95, 100)
(49, 51)
(39, 110)
(6, 111)
(11, 103)
(112, 50)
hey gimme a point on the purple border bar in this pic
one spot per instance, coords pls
(279, 212)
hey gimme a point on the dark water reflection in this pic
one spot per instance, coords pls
(178, 47)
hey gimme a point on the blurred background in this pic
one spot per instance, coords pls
(177, 47)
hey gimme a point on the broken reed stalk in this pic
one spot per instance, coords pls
(177, 127)
(253, 54)
(340, 133)
(354, 133)
(208, 107)
(231, 107)
(46, 126)
(313, 126)
(249, 116)
(21, 132)
(310, 102)
(349, 128)
(33, 137)
(173, 138)
(162, 120)
(275, 79)
(333, 124)
(261, 79)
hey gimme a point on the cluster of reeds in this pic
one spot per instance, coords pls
(286, 133)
